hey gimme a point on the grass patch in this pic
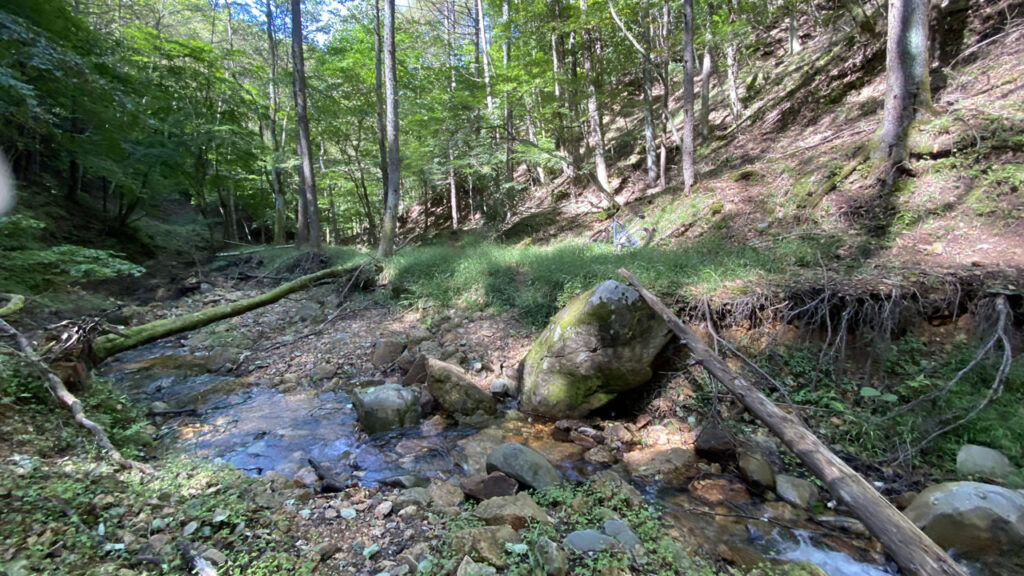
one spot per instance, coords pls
(537, 281)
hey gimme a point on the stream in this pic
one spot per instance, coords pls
(260, 430)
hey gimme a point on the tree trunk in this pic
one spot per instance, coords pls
(593, 109)
(906, 78)
(106, 346)
(275, 172)
(390, 224)
(794, 38)
(731, 71)
(452, 190)
(382, 146)
(306, 178)
(688, 173)
(914, 552)
(481, 38)
(705, 82)
(650, 145)
(507, 108)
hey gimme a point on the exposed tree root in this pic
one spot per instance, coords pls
(815, 197)
(995, 390)
(61, 393)
(111, 344)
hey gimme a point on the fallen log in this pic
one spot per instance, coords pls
(915, 553)
(106, 346)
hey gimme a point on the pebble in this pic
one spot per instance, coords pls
(348, 513)
(384, 509)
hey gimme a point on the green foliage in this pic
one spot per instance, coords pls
(28, 266)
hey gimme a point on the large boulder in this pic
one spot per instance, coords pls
(974, 460)
(457, 393)
(386, 407)
(973, 519)
(527, 466)
(600, 344)
(514, 511)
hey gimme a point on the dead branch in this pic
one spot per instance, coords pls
(60, 392)
(914, 552)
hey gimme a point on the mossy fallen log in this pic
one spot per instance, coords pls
(106, 346)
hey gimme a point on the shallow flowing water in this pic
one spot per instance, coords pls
(261, 430)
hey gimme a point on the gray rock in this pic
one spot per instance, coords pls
(600, 344)
(409, 497)
(386, 407)
(552, 557)
(756, 471)
(470, 568)
(588, 541)
(484, 544)
(796, 491)
(503, 387)
(491, 486)
(974, 519)
(417, 335)
(406, 361)
(445, 495)
(715, 444)
(417, 373)
(324, 371)
(456, 391)
(386, 351)
(620, 531)
(514, 511)
(527, 466)
(973, 460)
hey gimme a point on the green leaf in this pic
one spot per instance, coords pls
(888, 398)
(868, 392)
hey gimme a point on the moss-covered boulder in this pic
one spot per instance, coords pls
(386, 407)
(600, 344)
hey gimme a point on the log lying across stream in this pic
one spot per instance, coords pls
(106, 346)
(913, 551)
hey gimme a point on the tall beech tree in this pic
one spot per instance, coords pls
(389, 227)
(906, 86)
(309, 214)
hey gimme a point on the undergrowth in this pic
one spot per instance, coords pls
(66, 510)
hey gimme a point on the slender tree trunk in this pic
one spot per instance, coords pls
(275, 172)
(505, 55)
(906, 79)
(306, 177)
(731, 74)
(481, 38)
(382, 146)
(563, 104)
(794, 37)
(688, 173)
(452, 188)
(649, 136)
(705, 80)
(593, 108)
(390, 224)
(531, 133)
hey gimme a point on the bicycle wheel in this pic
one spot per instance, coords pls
(638, 238)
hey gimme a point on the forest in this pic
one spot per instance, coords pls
(470, 287)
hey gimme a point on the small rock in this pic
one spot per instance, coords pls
(588, 541)
(619, 433)
(715, 444)
(512, 511)
(347, 513)
(603, 454)
(620, 531)
(417, 335)
(190, 528)
(417, 373)
(974, 460)
(383, 509)
(470, 568)
(719, 490)
(406, 361)
(576, 437)
(324, 372)
(756, 471)
(456, 391)
(412, 497)
(327, 550)
(484, 544)
(850, 525)
(552, 557)
(370, 550)
(216, 557)
(527, 466)
(796, 491)
(445, 495)
(491, 486)
(502, 387)
(386, 351)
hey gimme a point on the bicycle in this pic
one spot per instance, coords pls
(623, 236)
